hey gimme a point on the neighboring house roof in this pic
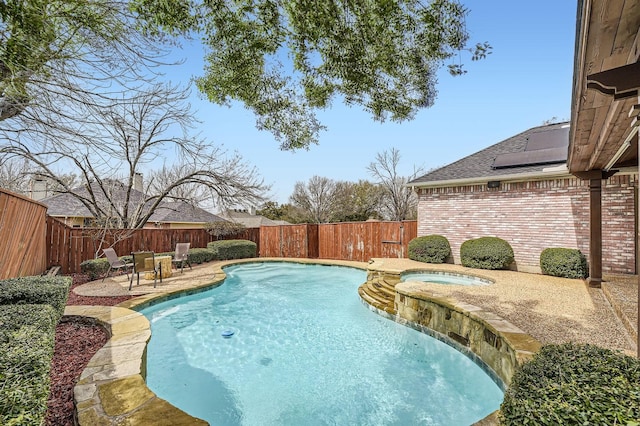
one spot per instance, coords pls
(66, 205)
(535, 152)
(182, 212)
(250, 220)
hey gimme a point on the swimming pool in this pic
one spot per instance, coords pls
(304, 350)
(445, 278)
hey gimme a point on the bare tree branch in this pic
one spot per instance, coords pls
(399, 202)
(123, 139)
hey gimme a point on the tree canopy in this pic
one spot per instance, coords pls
(287, 59)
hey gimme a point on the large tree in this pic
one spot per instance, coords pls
(324, 200)
(285, 59)
(314, 199)
(117, 142)
(399, 202)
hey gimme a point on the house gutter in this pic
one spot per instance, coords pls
(550, 172)
(558, 172)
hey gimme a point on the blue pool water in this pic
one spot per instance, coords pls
(304, 350)
(444, 278)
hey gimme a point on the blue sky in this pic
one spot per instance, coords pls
(525, 81)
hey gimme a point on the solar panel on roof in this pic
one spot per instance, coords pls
(545, 147)
(556, 138)
(531, 158)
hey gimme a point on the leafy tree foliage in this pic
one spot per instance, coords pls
(285, 59)
(356, 202)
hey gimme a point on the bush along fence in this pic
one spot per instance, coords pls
(68, 247)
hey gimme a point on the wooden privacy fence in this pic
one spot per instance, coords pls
(68, 247)
(360, 241)
(22, 236)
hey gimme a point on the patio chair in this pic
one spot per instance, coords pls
(115, 262)
(141, 265)
(181, 256)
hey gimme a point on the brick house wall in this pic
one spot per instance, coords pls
(534, 215)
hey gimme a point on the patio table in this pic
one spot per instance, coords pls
(164, 261)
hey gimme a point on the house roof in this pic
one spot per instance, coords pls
(184, 213)
(251, 220)
(517, 156)
(66, 205)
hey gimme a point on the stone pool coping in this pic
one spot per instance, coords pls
(112, 388)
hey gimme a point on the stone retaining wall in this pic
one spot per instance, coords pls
(499, 344)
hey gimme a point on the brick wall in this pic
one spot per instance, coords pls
(532, 216)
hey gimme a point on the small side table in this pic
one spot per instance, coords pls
(164, 261)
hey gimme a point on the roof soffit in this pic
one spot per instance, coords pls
(608, 37)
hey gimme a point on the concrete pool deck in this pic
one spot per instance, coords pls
(112, 388)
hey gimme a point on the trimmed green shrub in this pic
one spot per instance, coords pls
(200, 255)
(26, 350)
(233, 249)
(429, 249)
(486, 253)
(52, 291)
(95, 268)
(564, 262)
(574, 384)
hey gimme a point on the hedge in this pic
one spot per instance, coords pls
(233, 249)
(574, 384)
(53, 291)
(429, 249)
(564, 262)
(200, 255)
(26, 350)
(486, 253)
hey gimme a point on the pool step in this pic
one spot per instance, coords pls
(379, 294)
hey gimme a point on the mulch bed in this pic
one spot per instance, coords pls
(76, 342)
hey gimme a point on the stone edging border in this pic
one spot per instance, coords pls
(112, 389)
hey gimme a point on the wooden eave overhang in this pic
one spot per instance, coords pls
(605, 84)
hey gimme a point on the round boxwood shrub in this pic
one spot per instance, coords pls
(95, 268)
(429, 249)
(564, 262)
(574, 384)
(486, 253)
